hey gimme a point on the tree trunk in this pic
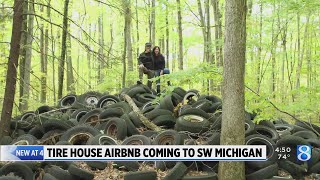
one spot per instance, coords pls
(27, 66)
(302, 53)
(259, 51)
(45, 70)
(128, 34)
(203, 28)
(274, 40)
(180, 56)
(210, 57)
(137, 28)
(167, 36)
(63, 49)
(218, 32)
(101, 52)
(42, 62)
(22, 101)
(11, 77)
(70, 77)
(153, 22)
(233, 113)
(89, 59)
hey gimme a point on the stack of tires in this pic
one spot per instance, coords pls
(186, 117)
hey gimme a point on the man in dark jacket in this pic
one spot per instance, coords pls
(146, 65)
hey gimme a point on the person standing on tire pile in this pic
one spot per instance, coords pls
(146, 65)
(159, 64)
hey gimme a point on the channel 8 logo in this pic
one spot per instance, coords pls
(303, 152)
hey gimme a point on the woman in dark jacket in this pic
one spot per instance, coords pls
(159, 64)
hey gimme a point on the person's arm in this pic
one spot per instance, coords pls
(140, 59)
(162, 65)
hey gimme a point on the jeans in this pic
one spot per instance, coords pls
(148, 72)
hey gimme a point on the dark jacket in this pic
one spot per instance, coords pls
(159, 62)
(146, 60)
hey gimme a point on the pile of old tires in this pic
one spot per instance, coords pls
(186, 117)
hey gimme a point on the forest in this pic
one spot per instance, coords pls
(281, 52)
(68, 47)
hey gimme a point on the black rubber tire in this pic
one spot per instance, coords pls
(53, 124)
(264, 173)
(168, 103)
(67, 101)
(146, 97)
(292, 142)
(267, 123)
(131, 128)
(157, 112)
(43, 109)
(78, 114)
(80, 173)
(177, 172)
(19, 169)
(26, 139)
(91, 117)
(6, 140)
(279, 121)
(191, 97)
(60, 173)
(283, 129)
(214, 107)
(37, 131)
(116, 127)
(63, 143)
(315, 157)
(307, 125)
(138, 103)
(168, 137)
(81, 130)
(315, 168)
(150, 134)
(101, 165)
(137, 140)
(194, 111)
(101, 139)
(213, 138)
(86, 102)
(306, 134)
(148, 104)
(267, 131)
(257, 139)
(210, 176)
(314, 142)
(107, 100)
(160, 165)
(129, 165)
(203, 104)
(180, 91)
(135, 91)
(48, 176)
(295, 170)
(249, 127)
(123, 105)
(10, 178)
(111, 112)
(135, 119)
(51, 133)
(199, 124)
(61, 164)
(211, 98)
(149, 108)
(164, 120)
(141, 175)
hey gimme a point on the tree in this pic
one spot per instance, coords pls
(22, 100)
(233, 112)
(11, 77)
(63, 49)
(180, 56)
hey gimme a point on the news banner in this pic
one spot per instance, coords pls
(147, 153)
(133, 153)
